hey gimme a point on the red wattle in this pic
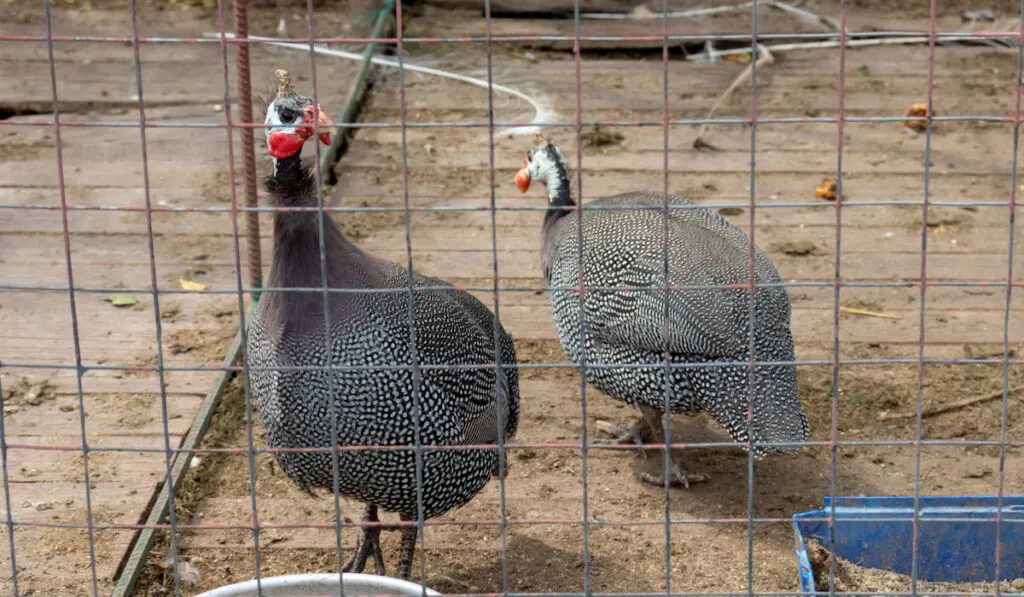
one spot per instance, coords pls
(522, 180)
(284, 145)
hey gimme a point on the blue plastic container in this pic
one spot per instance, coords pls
(956, 537)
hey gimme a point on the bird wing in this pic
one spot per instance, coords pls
(476, 394)
(499, 390)
(708, 321)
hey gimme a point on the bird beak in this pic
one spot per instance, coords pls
(522, 178)
(323, 121)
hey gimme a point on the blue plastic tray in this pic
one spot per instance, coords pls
(956, 536)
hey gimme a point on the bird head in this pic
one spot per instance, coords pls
(545, 163)
(291, 119)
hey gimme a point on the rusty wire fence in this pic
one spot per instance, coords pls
(243, 209)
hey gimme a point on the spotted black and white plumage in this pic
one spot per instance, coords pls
(374, 401)
(623, 250)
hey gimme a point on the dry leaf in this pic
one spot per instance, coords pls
(917, 111)
(827, 189)
(193, 286)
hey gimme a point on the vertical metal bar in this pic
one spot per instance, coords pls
(245, 99)
(252, 219)
(499, 371)
(155, 295)
(9, 517)
(1012, 205)
(325, 295)
(666, 239)
(75, 332)
(751, 294)
(413, 351)
(837, 285)
(577, 60)
(924, 291)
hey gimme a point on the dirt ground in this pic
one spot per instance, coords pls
(544, 492)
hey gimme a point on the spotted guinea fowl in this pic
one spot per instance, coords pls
(463, 398)
(625, 318)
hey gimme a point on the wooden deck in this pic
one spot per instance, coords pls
(188, 168)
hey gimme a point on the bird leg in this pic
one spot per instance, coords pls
(649, 430)
(409, 536)
(677, 476)
(367, 544)
(643, 432)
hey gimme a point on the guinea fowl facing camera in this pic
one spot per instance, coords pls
(625, 308)
(371, 398)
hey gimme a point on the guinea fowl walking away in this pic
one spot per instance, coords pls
(374, 403)
(624, 248)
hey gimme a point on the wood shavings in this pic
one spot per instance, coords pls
(852, 578)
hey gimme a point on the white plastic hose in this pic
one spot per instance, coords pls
(542, 112)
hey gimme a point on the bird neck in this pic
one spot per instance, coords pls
(559, 196)
(560, 204)
(296, 261)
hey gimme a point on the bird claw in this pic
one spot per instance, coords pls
(636, 435)
(369, 544)
(677, 477)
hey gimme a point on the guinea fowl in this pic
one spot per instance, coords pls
(464, 399)
(625, 310)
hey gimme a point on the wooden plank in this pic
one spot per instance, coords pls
(111, 83)
(437, 22)
(138, 552)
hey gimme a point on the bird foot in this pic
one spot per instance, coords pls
(677, 476)
(368, 544)
(637, 435)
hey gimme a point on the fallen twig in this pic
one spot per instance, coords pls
(766, 58)
(938, 410)
(867, 313)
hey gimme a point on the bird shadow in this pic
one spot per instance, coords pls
(529, 563)
(783, 484)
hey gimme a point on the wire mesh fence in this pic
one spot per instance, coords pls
(134, 464)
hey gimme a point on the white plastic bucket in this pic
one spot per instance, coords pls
(323, 585)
